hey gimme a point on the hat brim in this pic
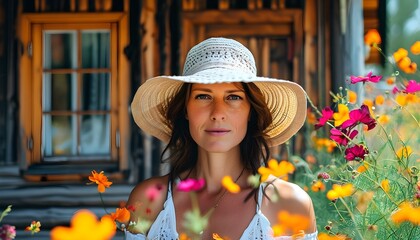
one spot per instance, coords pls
(285, 99)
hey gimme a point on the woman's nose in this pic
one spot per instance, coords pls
(218, 111)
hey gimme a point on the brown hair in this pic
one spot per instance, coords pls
(183, 150)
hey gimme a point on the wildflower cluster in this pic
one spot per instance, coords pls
(361, 163)
(8, 232)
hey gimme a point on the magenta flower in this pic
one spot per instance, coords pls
(357, 152)
(327, 114)
(342, 136)
(190, 184)
(412, 87)
(395, 90)
(7, 232)
(357, 116)
(368, 78)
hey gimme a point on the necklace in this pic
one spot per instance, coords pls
(225, 190)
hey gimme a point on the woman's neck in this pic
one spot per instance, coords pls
(214, 166)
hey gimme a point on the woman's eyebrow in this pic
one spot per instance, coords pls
(209, 90)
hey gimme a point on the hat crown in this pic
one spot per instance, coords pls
(219, 53)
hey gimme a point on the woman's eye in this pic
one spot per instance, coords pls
(202, 96)
(234, 97)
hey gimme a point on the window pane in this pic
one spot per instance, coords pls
(96, 92)
(95, 134)
(58, 94)
(95, 49)
(60, 50)
(59, 137)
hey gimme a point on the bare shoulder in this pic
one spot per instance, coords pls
(285, 196)
(147, 197)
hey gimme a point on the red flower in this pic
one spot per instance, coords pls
(190, 184)
(412, 87)
(368, 78)
(342, 136)
(357, 152)
(327, 114)
(357, 116)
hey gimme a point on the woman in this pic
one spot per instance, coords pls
(219, 119)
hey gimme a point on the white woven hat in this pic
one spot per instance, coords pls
(221, 60)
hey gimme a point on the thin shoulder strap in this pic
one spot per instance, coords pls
(260, 197)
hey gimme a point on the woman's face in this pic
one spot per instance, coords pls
(218, 115)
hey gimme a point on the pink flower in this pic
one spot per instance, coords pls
(190, 184)
(327, 114)
(342, 136)
(368, 78)
(412, 87)
(153, 192)
(357, 152)
(7, 232)
(395, 90)
(357, 116)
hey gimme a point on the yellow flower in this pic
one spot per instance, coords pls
(338, 191)
(379, 100)
(34, 227)
(342, 115)
(406, 213)
(121, 215)
(363, 167)
(385, 185)
(101, 180)
(404, 152)
(318, 186)
(400, 54)
(372, 37)
(84, 225)
(415, 48)
(401, 99)
(230, 185)
(294, 223)
(352, 96)
(404, 62)
(278, 169)
(384, 119)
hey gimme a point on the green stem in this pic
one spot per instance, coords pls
(351, 216)
(103, 203)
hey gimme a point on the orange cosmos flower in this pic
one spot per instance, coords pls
(390, 80)
(385, 185)
(384, 119)
(338, 191)
(85, 225)
(121, 215)
(372, 37)
(352, 96)
(217, 237)
(412, 68)
(34, 227)
(101, 180)
(363, 167)
(278, 169)
(184, 236)
(379, 100)
(342, 115)
(415, 48)
(318, 186)
(294, 223)
(400, 54)
(406, 213)
(230, 185)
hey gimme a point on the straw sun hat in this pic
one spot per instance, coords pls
(221, 60)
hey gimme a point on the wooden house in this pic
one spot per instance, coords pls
(69, 69)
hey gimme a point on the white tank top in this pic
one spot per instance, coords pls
(164, 227)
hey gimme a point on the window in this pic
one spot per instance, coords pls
(74, 89)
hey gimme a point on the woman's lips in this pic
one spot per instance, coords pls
(217, 131)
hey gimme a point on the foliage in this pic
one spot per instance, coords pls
(361, 167)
